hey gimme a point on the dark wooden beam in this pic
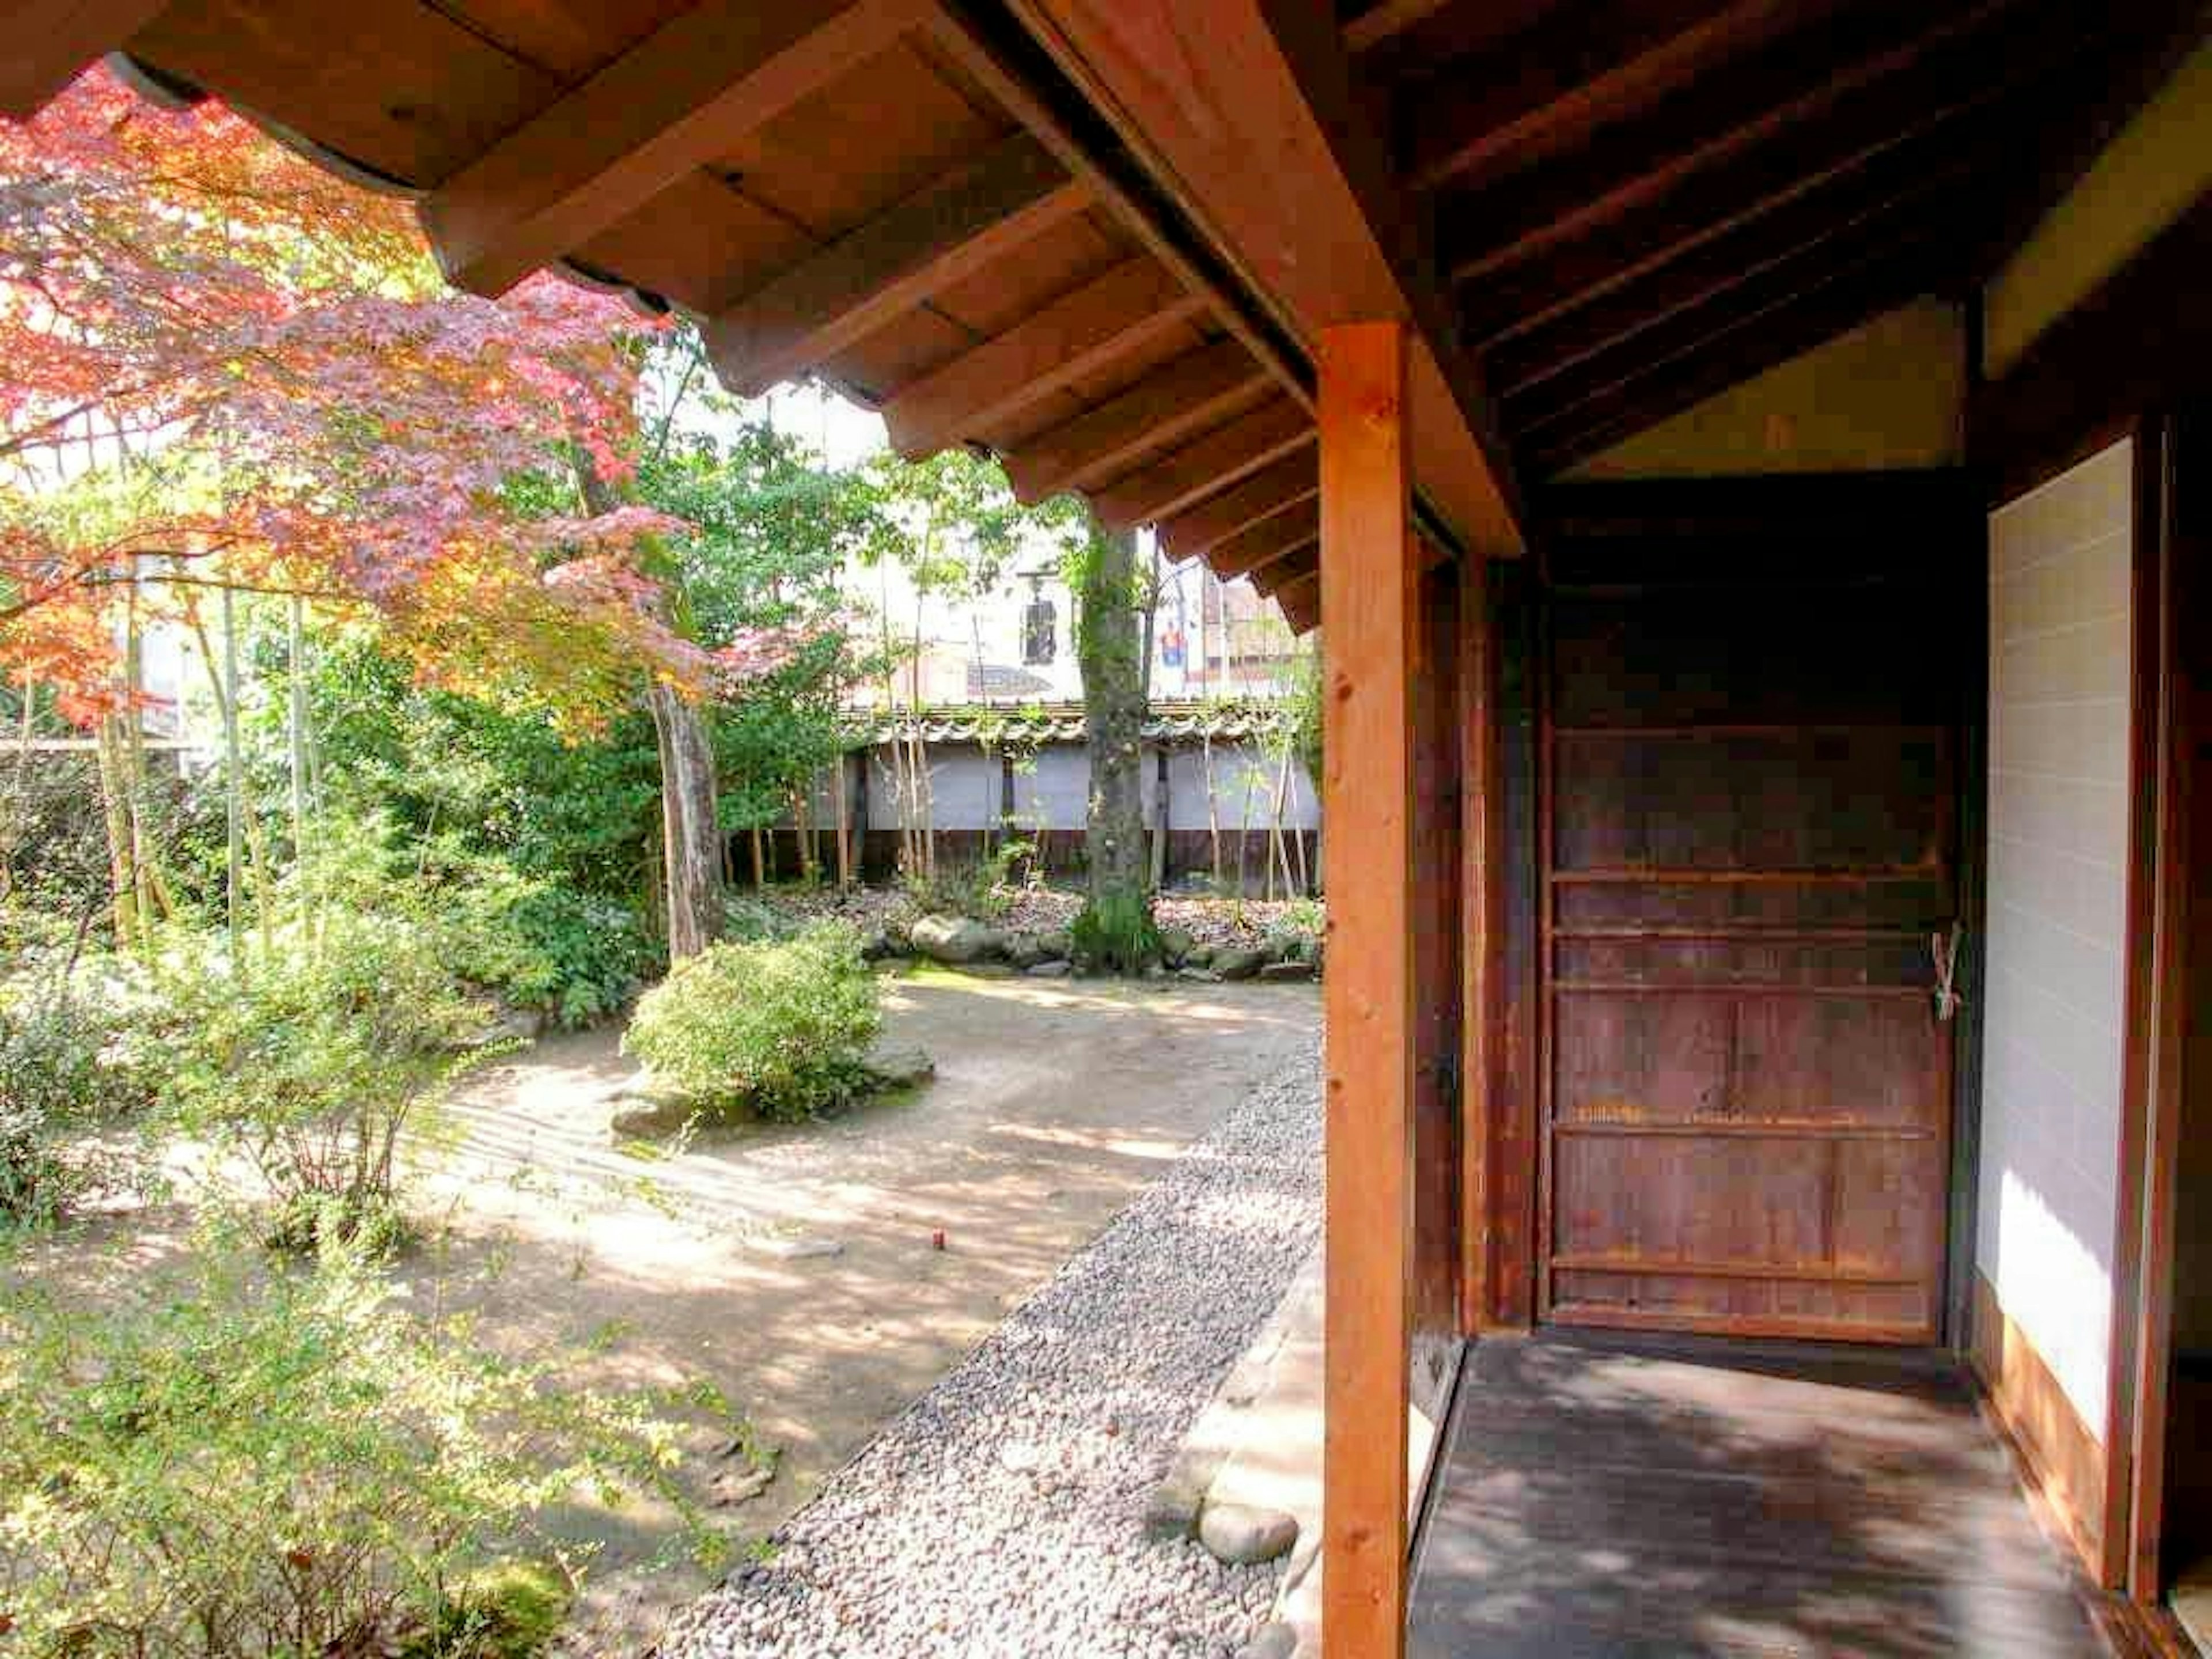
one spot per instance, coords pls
(951, 228)
(1130, 306)
(1386, 18)
(1300, 604)
(1193, 393)
(691, 92)
(1927, 235)
(1250, 110)
(1370, 583)
(1195, 530)
(1269, 538)
(1754, 345)
(2141, 342)
(1736, 112)
(1581, 68)
(51, 42)
(1860, 203)
(1223, 456)
(1897, 124)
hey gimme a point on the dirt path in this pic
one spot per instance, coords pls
(1054, 1103)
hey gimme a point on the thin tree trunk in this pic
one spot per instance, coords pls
(760, 862)
(844, 812)
(691, 844)
(296, 635)
(122, 878)
(1213, 804)
(1109, 653)
(234, 793)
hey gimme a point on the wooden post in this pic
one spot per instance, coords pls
(1481, 928)
(1370, 586)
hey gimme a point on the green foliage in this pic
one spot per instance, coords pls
(543, 945)
(1297, 933)
(1302, 712)
(76, 1058)
(311, 1065)
(981, 888)
(777, 1030)
(1115, 934)
(244, 1463)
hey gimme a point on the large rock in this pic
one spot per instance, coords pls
(899, 1068)
(1056, 969)
(1276, 1640)
(958, 940)
(1175, 946)
(1239, 960)
(1244, 1536)
(639, 1116)
(1027, 950)
(1288, 968)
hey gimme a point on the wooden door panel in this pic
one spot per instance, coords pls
(1749, 811)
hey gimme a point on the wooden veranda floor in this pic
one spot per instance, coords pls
(1631, 1496)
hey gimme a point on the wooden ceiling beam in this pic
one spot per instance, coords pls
(51, 42)
(1295, 527)
(1211, 464)
(1301, 564)
(1386, 18)
(1196, 531)
(1749, 347)
(1247, 111)
(1194, 392)
(1300, 605)
(1821, 220)
(1895, 125)
(1784, 284)
(948, 230)
(1130, 306)
(1581, 68)
(691, 91)
(1740, 111)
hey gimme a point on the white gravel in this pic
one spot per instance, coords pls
(1002, 1513)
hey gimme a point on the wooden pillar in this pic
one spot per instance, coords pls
(1371, 640)
(1482, 932)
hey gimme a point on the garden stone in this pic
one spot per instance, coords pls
(1200, 955)
(1057, 968)
(900, 1068)
(1239, 960)
(1276, 1641)
(956, 940)
(644, 1116)
(1289, 968)
(1027, 950)
(877, 945)
(1244, 1536)
(988, 969)
(734, 1487)
(1202, 975)
(1176, 945)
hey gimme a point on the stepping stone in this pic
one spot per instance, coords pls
(1243, 1537)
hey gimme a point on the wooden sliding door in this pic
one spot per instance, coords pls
(1750, 754)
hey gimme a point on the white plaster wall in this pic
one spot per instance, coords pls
(1054, 793)
(2052, 1053)
(1237, 770)
(963, 785)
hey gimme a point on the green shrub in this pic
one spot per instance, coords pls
(71, 1063)
(242, 1463)
(310, 1066)
(1116, 936)
(981, 889)
(540, 945)
(779, 1030)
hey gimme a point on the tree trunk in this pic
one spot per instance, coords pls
(1108, 654)
(691, 851)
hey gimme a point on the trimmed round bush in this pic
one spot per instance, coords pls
(779, 1028)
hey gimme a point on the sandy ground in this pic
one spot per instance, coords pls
(1054, 1104)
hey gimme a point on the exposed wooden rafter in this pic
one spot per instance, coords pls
(1220, 458)
(1219, 98)
(950, 229)
(1579, 69)
(49, 42)
(1270, 539)
(1737, 112)
(1128, 308)
(1820, 226)
(1301, 565)
(1893, 128)
(1189, 395)
(691, 92)
(1196, 530)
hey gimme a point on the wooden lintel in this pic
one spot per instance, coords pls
(690, 92)
(1748, 107)
(948, 230)
(1301, 608)
(51, 42)
(1129, 306)
(1270, 539)
(1187, 395)
(1223, 456)
(1248, 112)
(1576, 67)
(1272, 489)
(1370, 582)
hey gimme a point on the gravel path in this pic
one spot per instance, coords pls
(1002, 1513)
